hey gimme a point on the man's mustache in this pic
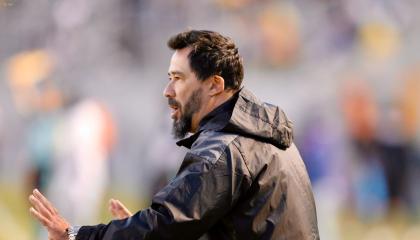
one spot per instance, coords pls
(173, 102)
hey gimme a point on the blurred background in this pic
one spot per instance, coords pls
(82, 116)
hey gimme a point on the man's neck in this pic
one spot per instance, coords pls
(212, 104)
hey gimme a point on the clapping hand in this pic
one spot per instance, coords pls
(48, 216)
(118, 210)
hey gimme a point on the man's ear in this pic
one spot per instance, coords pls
(217, 85)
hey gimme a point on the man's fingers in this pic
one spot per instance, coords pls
(118, 210)
(122, 207)
(119, 205)
(115, 210)
(44, 221)
(44, 201)
(112, 203)
(112, 207)
(39, 207)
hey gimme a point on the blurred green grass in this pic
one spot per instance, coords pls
(15, 220)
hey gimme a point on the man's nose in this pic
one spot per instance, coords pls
(169, 91)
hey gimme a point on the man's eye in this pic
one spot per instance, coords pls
(174, 78)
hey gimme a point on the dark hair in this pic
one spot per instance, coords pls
(211, 54)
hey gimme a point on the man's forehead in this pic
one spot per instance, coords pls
(179, 62)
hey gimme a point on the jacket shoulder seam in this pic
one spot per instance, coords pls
(223, 150)
(235, 143)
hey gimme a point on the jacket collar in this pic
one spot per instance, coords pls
(215, 120)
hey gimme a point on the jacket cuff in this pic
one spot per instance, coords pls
(89, 232)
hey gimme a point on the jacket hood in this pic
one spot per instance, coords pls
(244, 114)
(260, 120)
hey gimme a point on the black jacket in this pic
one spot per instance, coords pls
(242, 178)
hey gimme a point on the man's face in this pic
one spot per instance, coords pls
(185, 94)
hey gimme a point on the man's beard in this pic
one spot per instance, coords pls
(182, 126)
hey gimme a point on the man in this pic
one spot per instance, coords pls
(242, 178)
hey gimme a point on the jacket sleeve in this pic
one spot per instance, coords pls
(186, 208)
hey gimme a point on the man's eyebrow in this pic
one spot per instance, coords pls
(175, 73)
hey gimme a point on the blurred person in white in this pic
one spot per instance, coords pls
(242, 178)
(83, 143)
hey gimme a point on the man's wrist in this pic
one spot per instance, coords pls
(72, 232)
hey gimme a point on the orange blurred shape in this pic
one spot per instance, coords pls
(410, 102)
(360, 110)
(280, 34)
(25, 71)
(108, 133)
(379, 40)
(28, 68)
(233, 4)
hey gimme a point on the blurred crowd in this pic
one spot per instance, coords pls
(82, 116)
